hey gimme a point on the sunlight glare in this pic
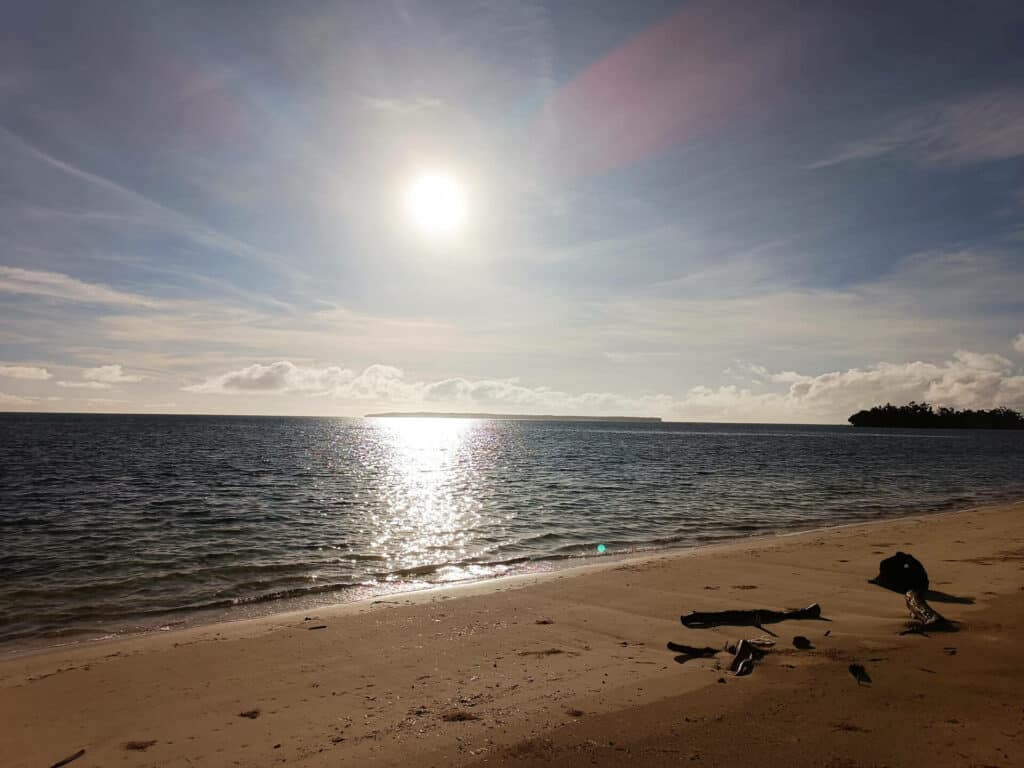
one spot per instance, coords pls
(423, 477)
(436, 203)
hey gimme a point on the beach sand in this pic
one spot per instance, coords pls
(570, 668)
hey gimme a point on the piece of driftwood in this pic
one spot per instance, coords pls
(690, 652)
(927, 618)
(747, 618)
(68, 759)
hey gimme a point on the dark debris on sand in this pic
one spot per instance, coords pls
(458, 716)
(139, 746)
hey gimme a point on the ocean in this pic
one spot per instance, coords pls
(114, 524)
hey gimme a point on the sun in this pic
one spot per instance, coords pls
(436, 203)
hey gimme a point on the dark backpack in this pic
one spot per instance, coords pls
(902, 573)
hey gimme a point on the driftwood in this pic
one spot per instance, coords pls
(927, 618)
(692, 650)
(68, 759)
(689, 652)
(748, 618)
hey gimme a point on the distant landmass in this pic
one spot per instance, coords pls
(924, 416)
(507, 416)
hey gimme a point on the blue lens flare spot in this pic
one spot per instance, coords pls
(601, 548)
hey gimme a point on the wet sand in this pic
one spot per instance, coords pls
(570, 668)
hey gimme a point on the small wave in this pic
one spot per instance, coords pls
(265, 597)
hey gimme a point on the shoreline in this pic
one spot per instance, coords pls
(179, 620)
(544, 668)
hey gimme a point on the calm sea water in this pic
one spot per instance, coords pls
(121, 523)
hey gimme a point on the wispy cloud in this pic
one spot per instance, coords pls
(405, 106)
(144, 208)
(984, 127)
(55, 285)
(25, 372)
(1018, 344)
(16, 400)
(83, 384)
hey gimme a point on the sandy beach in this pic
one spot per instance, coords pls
(571, 668)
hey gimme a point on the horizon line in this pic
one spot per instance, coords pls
(494, 417)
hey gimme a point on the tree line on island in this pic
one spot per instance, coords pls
(923, 415)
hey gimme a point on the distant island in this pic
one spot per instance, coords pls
(924, 416)
(507, 416)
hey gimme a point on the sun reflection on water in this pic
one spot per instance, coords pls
(430, 511)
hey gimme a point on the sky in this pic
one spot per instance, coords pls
(707, 211)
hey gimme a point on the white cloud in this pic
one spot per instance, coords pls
(968, 380)
(1018, 344)
(276, 378)
(110, 374)
(284, 377)
(30, 282)
(25, 372)
(6, 399)
(402, 107)
(83, 384)
(101, 377)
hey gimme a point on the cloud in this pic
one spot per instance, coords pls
(967, 380)
(109, 374)
(1018, 343)
(280, 377)
(989, 126)
(83, 384)
(102, 377)
(6, 399)
(139, 207)
(284, 377)
(25, 372)
(983, 127)
(31, 282)
(402, 106)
